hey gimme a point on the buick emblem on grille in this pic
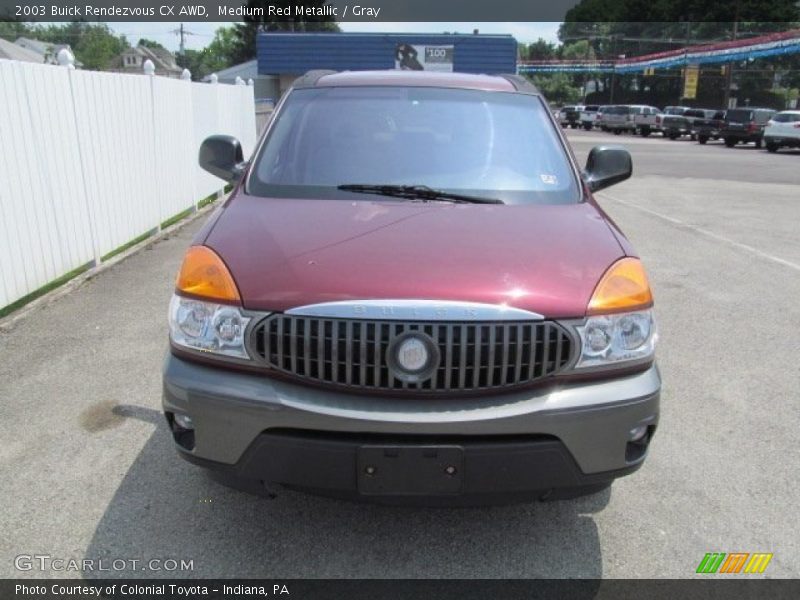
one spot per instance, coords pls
(412, 356)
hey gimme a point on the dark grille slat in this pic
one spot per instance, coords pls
(545, 349)
(321, 350)
(448, 357)
(362, 354)
(348, 353)
(378, 356)
(279, 342)
(519, 351)
(462, 355)
(490, 365)
(293, 345)
(476, 364)
(306, 347)
(351, 353)
(334, 350)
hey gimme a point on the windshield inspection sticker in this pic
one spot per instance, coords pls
(549, 179)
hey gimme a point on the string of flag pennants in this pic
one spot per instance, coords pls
(775, 44)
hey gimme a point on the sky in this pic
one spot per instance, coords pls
(204, 32)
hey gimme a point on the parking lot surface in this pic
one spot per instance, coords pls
(88, 470)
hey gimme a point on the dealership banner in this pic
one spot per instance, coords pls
(417, 57)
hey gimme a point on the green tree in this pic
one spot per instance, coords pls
(220, 54)
(93, 44)
(541, 50)
(246, 32)
(150, 44)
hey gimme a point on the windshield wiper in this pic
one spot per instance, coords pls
(416, 192)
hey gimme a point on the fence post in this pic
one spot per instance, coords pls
(65, 58)
(150, 70)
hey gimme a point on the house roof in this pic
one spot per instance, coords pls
(246, 70)
(11, 51)
(162, 59)
(47, 50)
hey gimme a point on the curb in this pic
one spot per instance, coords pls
(8, 322)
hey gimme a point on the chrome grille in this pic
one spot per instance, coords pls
(352, 353)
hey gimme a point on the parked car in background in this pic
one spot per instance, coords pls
(674, 126)
(708, 127)
(588, 116)
(569, 116)
(646, 119)
(676, 110)
(783, 131)
(695, 114)
(743, 125)
(598, 119)
(443, 338)
(618, 119)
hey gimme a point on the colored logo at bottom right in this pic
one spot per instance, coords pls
(734, 562)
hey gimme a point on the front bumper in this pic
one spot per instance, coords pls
(563, 435)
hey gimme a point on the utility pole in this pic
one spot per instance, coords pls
(729, 66)
(182, 33)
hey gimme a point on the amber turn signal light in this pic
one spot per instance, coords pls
(623, 287)
(204, 274)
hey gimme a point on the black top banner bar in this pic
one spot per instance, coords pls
(237, 10)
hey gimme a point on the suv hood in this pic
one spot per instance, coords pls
(285, 253)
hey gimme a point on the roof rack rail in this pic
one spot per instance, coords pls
(311, 77)
(521, 83)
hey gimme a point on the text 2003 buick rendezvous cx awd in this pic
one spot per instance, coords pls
(411, 295)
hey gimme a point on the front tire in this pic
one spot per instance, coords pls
(701, 139)
(673, 136)
(730, 142)
(771, 147)
(588, 126)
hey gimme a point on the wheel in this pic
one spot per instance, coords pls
(702, 139)
(673, 136)
(730, 142)
(617, 131)
(574, 125)
(772, 147)
(644, 132)
(758, 143)
(587, 126)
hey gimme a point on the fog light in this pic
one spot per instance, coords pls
(184, 421)
(637, 433)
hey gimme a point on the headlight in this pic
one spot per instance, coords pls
(611, 339)
(207, 326)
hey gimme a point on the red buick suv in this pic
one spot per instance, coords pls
(411, 295)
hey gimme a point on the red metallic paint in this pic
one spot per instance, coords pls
(285, 253)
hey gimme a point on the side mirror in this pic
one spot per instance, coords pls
(606, 166)
(221, 155)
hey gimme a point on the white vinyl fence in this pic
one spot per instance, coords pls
(90, 161)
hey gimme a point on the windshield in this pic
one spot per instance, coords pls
(492, 144)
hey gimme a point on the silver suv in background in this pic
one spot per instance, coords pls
(588, 116)
(783, 131)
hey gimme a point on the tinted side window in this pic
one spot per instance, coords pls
(786, 118)
(739, 115)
